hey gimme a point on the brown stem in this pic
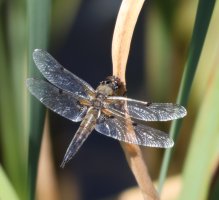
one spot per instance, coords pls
(47, 186)
(126, 20)
(125, 24)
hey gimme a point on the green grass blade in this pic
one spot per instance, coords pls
(12, 126)
(159, 47)
(203, 16)
(39, 23)
(204, 146)
(205, 141)
(63, 15)
(214, 193)
(7, 191)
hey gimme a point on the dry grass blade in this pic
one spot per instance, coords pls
(126, 20)
(139, 169)
(125, 24)
(47, 187)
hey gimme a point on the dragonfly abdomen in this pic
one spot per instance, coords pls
(86, 127)
(90, 119)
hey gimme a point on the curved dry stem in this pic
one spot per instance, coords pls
(126, 20)
(125, 24)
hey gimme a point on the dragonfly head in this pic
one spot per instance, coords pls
(111, 86)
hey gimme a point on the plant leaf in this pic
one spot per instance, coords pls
(203, 17)
(197, 172)
(7, 192)
(12, 115)
(39, 23)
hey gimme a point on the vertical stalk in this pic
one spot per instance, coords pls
(38, 29)
(125, 24)
(203, 17)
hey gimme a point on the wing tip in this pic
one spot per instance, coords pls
(170, 143)
(37, 53)
(184, 111)
(36, 50)
(180, 112)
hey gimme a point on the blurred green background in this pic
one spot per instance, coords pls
(173, 58)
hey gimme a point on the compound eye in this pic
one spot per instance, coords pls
(107, 82)
(115, 85)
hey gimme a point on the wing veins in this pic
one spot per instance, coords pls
(63, 103)
(59, 76)
(125, 129)
(145, 111)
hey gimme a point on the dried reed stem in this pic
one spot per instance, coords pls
(47, 186)
(125, 24)
(126, 20)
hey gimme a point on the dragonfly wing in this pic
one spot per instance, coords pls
(145, 111)
(57, 100)
(59, 76)
(142, 135)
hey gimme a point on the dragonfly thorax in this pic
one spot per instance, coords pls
(105, 90)
(98, 101)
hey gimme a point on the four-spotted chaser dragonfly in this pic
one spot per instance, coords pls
(101, 109)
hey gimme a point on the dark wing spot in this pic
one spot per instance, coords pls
(148, 103)
(60, 91)
(134, 124)
(111, 117)
(108, 81)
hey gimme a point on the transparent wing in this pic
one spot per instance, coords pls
(57, 100)
(145, 111)
(143, 135)
(59, 76)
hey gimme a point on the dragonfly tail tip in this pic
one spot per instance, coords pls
(65, 160)
(63, 164)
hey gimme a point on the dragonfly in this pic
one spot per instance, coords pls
(102, 109)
